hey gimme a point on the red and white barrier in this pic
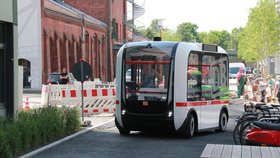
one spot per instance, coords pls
(96, 100)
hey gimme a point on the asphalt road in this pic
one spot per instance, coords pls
(106, 142)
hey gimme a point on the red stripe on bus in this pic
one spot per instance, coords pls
(225, 101)
(95, 110)
(220, 102)
(85, 111)
(105, 110)
(181, 104)
(200, 103)
(147, 62)
(216, 102)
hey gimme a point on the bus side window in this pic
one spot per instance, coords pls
(193, 78)
(215, 76)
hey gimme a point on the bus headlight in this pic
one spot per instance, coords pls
(123, 112)
(169, 113)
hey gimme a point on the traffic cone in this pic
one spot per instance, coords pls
(26, 104)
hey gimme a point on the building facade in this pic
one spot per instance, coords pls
(8, 58)
(55, 34)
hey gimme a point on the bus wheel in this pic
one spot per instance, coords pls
(124, 132)
(190, 129)
(223, 122)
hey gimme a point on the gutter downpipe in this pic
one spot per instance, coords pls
(109, 43)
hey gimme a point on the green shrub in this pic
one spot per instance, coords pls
(34, 128)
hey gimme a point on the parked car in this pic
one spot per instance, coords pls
(249, 70)
(54, 78)
(234, 69)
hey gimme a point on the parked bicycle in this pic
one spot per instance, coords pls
(254, 112)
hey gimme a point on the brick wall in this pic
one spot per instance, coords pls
(96, 8)
(62, 45)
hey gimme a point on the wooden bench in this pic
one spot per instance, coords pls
(239, 151)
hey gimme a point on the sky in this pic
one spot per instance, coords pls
(207, 14)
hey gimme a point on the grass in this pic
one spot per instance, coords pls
(34, 128)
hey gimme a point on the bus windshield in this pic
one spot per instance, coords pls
(147, 71)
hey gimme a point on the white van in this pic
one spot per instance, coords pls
(234, 69)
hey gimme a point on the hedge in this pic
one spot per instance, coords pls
(35, 128)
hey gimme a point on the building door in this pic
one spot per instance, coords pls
(26, 72)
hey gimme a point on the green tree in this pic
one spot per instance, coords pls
(235, 33)
(169, 35)
(220, 38)
(202, 37)
(261, 36)
(152, 31)
(187, 32)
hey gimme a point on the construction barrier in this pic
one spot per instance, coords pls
(98, 98)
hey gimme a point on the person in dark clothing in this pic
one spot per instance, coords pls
(64, 78)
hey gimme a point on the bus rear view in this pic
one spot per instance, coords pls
(148, 91)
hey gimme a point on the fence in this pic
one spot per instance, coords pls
(98, 97)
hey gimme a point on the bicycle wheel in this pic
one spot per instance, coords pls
(243, 131)
(238, 127)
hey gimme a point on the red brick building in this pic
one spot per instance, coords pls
(82, 29)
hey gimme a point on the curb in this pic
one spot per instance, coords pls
(37, 151)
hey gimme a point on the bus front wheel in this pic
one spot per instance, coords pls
(122, 131)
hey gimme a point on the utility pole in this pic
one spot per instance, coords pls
(160, 26)
(83, 35)
(132, 20)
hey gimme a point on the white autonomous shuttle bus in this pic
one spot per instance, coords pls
(179, 86)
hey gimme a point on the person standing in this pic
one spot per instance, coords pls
(241, 81)
(64, 78)
(277, 88)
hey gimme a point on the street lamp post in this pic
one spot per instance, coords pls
(160, 26)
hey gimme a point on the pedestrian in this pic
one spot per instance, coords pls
(262, 90)
(255, 88)
(241, 81)
(277, 88)
(64, 78)
(270, 83)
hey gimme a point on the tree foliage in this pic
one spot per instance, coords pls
(261, 36)
(187, 32)
(234, 38)
(220, 38)
(169, 35)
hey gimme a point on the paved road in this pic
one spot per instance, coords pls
(106, 142)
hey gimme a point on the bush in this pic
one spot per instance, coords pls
(34, 128)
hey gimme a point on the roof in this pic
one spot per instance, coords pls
(71, 11)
